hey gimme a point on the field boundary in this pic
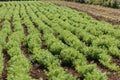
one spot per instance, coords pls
(112, 19)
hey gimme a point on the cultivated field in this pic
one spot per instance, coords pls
(98, 12)
(43, 41)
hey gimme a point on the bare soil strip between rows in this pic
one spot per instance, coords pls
(36, 71)
(44, 46)
(71, 70)
(6, 59)
(116, 60)
(25, 51)
(5, 54)
(1, 23)
(11, 24)
(112, 75)
(25, 30)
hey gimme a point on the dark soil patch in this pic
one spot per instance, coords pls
(102, 68)
(25, 29)
(7, 39)
(44, 46)
(11, 24)
(71, 70)
(25, 51)
(37, 72)
(6, 59)
(1, 21)
(112, 75)
(116, 60)
(35, 25)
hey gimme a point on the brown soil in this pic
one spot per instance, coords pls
(72, 71)
(111, 74)
(6, 59)
(25, 51)
(7, 39)
(24, 47)
(11, 24)
(35, 25)
(98, 12)
(38, 72)
(44, 46)
(25, 29)
(1, 21)
(116, 60)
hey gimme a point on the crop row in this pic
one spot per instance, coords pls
(52, 65)
(94, 52)
(68, 55)
(71, 38)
